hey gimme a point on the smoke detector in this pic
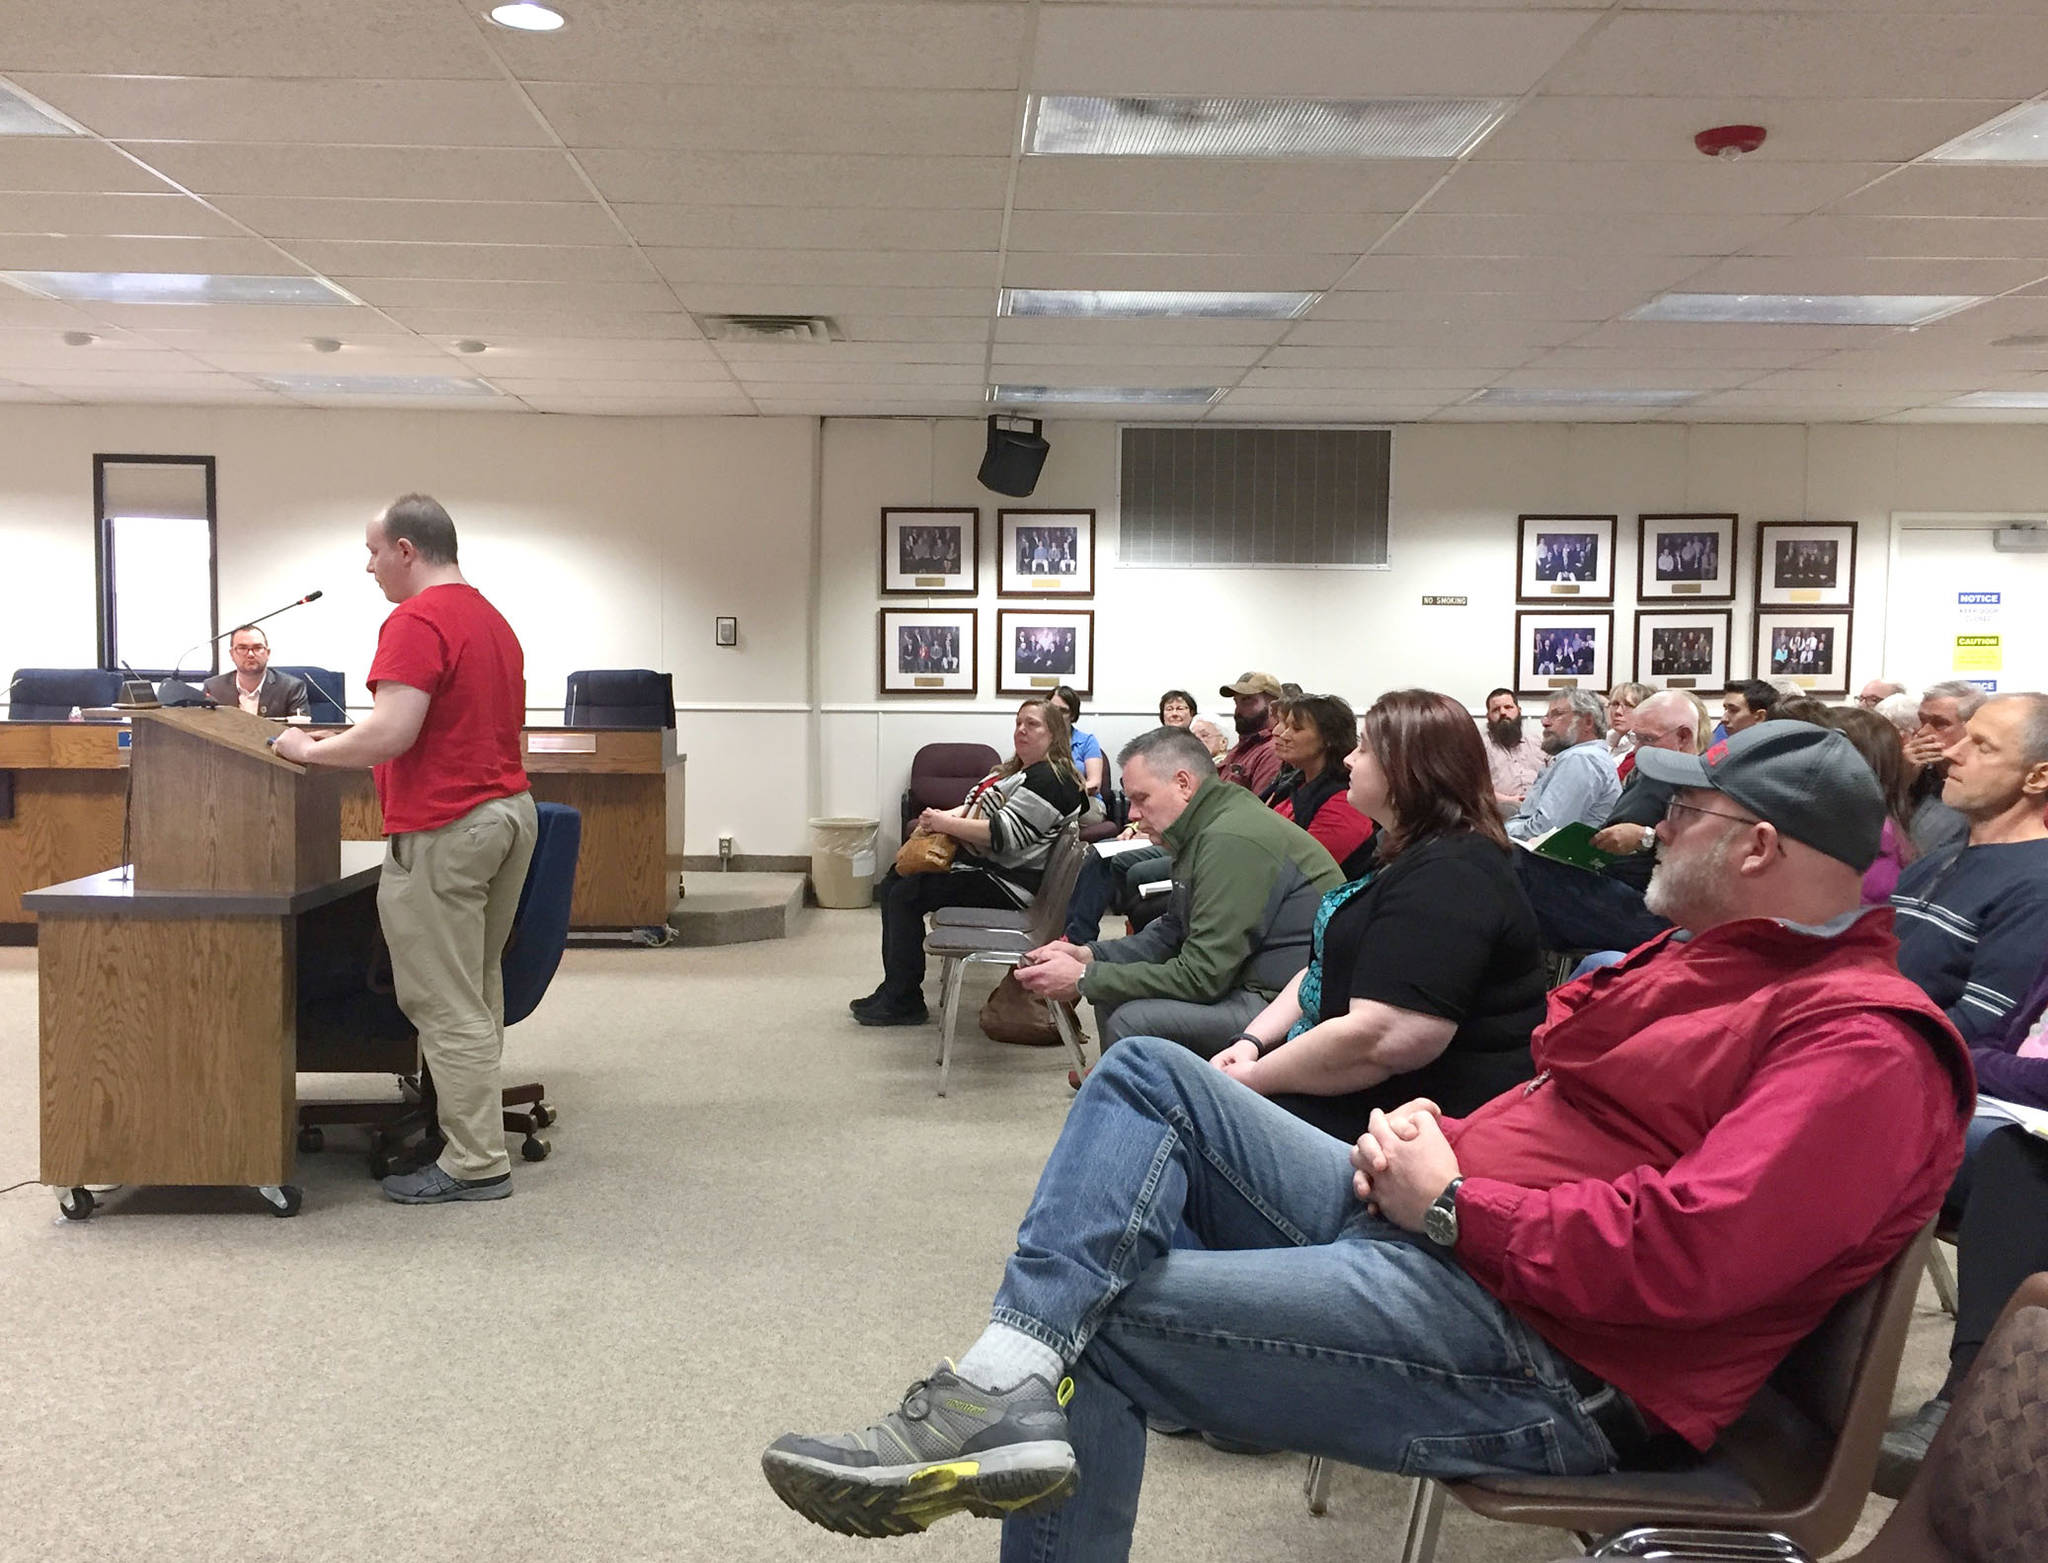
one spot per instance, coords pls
(770, 328)
(1729, 142)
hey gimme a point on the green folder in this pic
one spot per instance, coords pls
(1571, 844)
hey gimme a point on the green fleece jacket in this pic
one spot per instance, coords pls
(1246, 885)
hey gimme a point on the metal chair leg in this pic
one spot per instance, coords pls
(949, 982)
(1943, 1276)
(952, 1017)
(1064, 1023)
(1317, 1486)
(1425, 1519)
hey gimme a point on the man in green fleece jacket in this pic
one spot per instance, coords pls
(1246, 885)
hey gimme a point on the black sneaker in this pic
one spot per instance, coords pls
(1904, 1448)
(951, 1447)
(888, 1013)
(874, 1000)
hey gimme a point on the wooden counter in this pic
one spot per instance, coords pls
(68, 780)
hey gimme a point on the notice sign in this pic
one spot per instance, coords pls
(1979, 654)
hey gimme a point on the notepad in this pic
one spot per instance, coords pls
(2032, 1119)
(1571, 844)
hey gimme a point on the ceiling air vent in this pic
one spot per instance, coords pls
(770, 328)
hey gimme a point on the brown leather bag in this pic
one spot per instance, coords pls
(1013, 1014)
(926, 852)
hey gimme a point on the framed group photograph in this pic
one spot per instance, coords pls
(1565, 557)
(1811, 649)
(928, 651)
(930, 552)
(1563, 651)
(1685, 556)
(1808, 564)
(1045, 553)
(1039, 651)
(1684, 650)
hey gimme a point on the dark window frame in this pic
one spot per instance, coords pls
(103, 558)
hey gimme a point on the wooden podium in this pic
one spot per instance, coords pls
(167, 989)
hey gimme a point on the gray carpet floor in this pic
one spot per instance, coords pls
(757, 1217)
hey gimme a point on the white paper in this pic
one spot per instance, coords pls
(2032, 1119)
(1116, 847)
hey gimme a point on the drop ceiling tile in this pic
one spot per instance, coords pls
(1466, 326)
(1847, 380)
(812, 228)
(1401, 385)
(239, 257)
(1675, 359)
(1705, 187)
(418, 293)
(790, 179)
(1908, 237)
(863, 326)
(744, 356)
(1831, 274)
(1554, 377)
(1260, 273)
(834, 299)
(1488, 359)
(1877, 55)
(1546, 233)
(273, 321)
(1201, 184)
(828, 372)
(595, 324)
(374, 173)
(678, 392)
(1353, 52)
(1232, 410)
(638, 406)
(857, 268)
(1196, 233)
(48, 350)
(1636, 276)
(231, 109)
(733, 118)
(407, 355)
(562, 352)
(512, 371)
(69, 163)
(161, 216)
(1219, 357)
(1953, 190)
(425, 222)
(1660, 129)
(344, 259)
(126, 378)
(1751, 396)
(1652, 335)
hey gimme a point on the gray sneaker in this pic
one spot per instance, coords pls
(431, 1186)
(1904, 1448)
(950, 1447)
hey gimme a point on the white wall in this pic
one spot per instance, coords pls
(613, 542)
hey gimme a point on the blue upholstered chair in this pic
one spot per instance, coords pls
(48, 694)
(620, 697)
(326, 694)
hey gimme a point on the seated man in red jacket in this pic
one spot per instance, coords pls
(1745, 1120)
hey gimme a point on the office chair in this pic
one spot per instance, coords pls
(349, 1021)
(48, 694)
(619, 697)
(326, 694)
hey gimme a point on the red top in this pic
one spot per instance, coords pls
(1728, 1134)
(453, 645)
(1252, 762)
(1338, 825)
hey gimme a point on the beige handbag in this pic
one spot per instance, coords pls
(924, 852)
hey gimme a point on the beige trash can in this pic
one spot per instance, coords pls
(843, 861)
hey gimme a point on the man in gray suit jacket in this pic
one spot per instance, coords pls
(252, 685)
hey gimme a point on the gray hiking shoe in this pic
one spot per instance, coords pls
(951, 1447)
(431, 1186)
(1904, 1448)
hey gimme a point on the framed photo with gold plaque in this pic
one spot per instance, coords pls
(927, 651)
(1037, 651)
(1801, 564)
(1565, 559)
(1811, 649)
(1677, 650)
(1045, 553)
(1556, 651)
(930, 552)
(1685, 558)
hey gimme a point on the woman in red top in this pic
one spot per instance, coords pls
(1311, 735)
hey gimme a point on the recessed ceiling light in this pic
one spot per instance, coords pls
(470, 344)
(527, 17)
(2000, 399)
(172, 287)
(324, 344)
(1141, 303)
(1577, 396)
(1260, 127)
(21, 115)
(79, 339)
(1805, 309)
(1151, 396)
(375, 385)
(2017, 136)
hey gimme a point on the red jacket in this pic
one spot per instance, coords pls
(1728, 1135)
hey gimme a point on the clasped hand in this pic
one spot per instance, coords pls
(1403, 1162)
(1053, 971)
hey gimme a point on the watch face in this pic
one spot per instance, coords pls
(1440, 1224)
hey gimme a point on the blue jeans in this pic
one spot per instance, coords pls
(1577, 910)
(1302, 1323)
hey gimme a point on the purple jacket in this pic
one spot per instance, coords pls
(2001, 1072)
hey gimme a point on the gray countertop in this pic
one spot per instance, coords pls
(112, 894)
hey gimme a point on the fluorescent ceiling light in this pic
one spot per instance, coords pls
(375, 385)
(1150, 396)
(1805, 309)
(2017, 136)
(1260, 127)
(1576, 396)
(527, 17)
(2000, 399)
(1143, 303)
(174, 287)
(21, 115)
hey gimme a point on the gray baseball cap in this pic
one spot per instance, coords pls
(1808, 781)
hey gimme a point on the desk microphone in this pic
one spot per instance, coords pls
(178, 668)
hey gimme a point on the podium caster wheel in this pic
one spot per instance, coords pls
(283, 1200)
(534, 1148)
(545, 1115)
(76, 1205)
(311, 1140)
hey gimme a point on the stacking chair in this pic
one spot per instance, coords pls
(349, 1021)
(1786, 1482)
(959, 947)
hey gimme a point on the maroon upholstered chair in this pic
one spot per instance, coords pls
(941, 774)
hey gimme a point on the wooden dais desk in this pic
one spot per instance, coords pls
(60, 815)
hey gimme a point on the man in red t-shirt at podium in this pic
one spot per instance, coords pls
(450, 687)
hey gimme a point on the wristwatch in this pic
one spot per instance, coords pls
(1440, 1221)
(1649, 841)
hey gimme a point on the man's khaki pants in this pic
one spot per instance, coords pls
(447, 900)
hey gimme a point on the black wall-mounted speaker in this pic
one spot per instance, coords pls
(1015, 456)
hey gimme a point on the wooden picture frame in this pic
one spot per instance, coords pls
(1562, 560)
(1546, 639)
(1068, 657)
(916, 558)
(1805, 564)
(1045, 553)
(901, 651)
(1810, 646)
(1683, 558)
(1669, 655)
